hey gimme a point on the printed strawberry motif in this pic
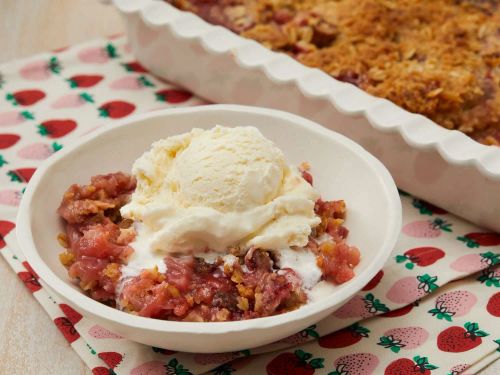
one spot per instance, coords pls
(102, 371)
(98, 332)
(8, 140)
(134, 66)
(455, 303)
(475, 262)
(354, 364)
(302, 336)
(116, 109)
(421, 256)
(475, 239)
(398, 312)
(458, 369)
(406, 366)
(112, 359)
(403, 338)
(66, 327)
(426, 208)
(41, 69)
(10, 197)
(5, 228)
(361, 307)
(73, 315)
(15, 117)
(98, 55)
(21, 174)
(490, 277)
(298, 363)
(131, 83)
(457, 339)
(38, 151)
(25, 97)
(374, 282)
(211, 358)
(173, 367)
(345, 337)
(163, 351)
(72, 100)
(427, 228)
(493, 306)
(30, 280)
(173, 96)
(411, 288)
(3, 161)
(84, 80)
(28, 267)
(150, 368)
(56, 128)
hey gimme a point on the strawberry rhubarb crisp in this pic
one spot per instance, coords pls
(213, 225)
(439, 58)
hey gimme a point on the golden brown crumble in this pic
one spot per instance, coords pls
(67, 258)
(112, 271)
(439, 58)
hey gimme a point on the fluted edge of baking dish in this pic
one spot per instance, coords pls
(417, 131)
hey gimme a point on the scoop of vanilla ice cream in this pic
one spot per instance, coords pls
(228, 169)
(219, 188)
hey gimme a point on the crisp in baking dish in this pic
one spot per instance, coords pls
(437, 58)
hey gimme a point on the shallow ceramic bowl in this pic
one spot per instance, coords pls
(341, 170)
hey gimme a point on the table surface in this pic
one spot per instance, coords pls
(30, 343)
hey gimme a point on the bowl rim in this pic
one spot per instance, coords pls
(91, 307)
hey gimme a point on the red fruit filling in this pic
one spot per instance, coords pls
(97, 238)
(97, 242)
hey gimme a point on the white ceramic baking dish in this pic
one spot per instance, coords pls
(441, 166)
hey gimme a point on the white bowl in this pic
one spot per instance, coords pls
(341, 169)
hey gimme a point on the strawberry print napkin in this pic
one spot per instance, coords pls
(433, 308)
